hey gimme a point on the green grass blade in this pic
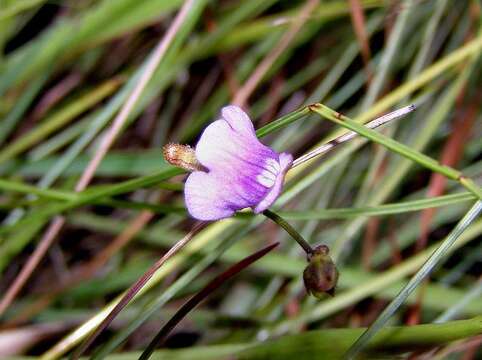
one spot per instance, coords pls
(424, 271)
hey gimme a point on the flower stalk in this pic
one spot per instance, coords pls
(290, 230)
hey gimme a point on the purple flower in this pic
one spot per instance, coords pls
(241, 172)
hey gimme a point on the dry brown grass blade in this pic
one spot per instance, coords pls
(371, 233)
(17, 341)
(370, 242)
(201, 295)
(34, 259)
(107, 140)
(136, 287)
(358, 21)
(84, 271)
(451, 155)
(242, 96)
(56, 94)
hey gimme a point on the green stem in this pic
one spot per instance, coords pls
(290, 230)
(93, 195)
(282, 122)
(469, 184)
(320, 214)
(15, 186)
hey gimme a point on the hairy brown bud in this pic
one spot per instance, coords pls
(320, 276)
(182, 156)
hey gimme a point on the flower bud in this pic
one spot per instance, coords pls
(320, 276)
(182, 156)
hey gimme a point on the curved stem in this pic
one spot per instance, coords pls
(290, 230)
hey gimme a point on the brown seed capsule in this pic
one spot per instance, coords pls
(320, 276)
(182, 156)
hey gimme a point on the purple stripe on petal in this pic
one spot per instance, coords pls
(247, 192)
(256, 190)
(285, 161)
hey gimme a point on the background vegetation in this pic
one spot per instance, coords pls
(90, 91)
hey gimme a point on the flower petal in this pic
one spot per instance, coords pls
(221, 148)
(241, 171)
(238, 120)
(206, 197)
(285, 161)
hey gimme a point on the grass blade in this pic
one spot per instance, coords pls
(424, 271)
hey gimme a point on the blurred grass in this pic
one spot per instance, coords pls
(426, 52)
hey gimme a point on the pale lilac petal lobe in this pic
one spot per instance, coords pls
(204, 197)
(216, 147)
(238, 120)
(285, 161)
(221, 148)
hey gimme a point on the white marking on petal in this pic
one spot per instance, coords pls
(285, 161)
(271, 170)
(268, 174)
(272, 164)
(265, 181)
